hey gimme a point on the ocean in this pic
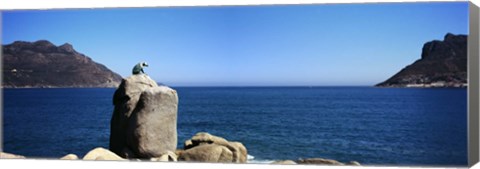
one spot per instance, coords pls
(374, 126)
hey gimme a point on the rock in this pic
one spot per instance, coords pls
(69, 157)
(101, 154)
(319, 161)
(144, 121)
(203, 138)
(207, 153)
(241, 150)
(284, 162)
(10, 156)
(354, 163)
(125, 99)
(238, 150)
(178, 152)
(127, 153)
(169, 156)
(152, 130)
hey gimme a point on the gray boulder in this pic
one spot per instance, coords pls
(238, 150)
(203, 138)
(152, 130)
(143, 123)
(207, 153)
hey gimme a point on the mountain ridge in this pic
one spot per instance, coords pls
(41, 64)
(442, 64)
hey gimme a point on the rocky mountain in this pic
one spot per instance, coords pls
(442, 64)
(42, 64)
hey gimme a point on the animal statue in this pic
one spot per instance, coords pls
(138, 69)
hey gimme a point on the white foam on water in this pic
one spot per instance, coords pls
(260, 161)
(251, 159)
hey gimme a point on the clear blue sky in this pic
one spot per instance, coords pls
(318, 45)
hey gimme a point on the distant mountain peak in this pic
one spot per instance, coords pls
(453, 37)
(451, 46)
(42, 64)
(67, 47)
(442, 64)
(43, 42)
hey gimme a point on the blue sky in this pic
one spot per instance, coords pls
(307, 45)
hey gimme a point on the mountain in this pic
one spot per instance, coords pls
(42, 64)
(442, 64)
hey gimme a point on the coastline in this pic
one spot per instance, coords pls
(463, 85)
(102, 154)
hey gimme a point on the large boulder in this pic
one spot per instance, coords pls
(125, 99)
(152, 130)
(143, 123)
(207, 153)
(203, 138)
(238, 150)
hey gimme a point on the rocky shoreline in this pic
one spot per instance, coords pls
(202, 147)
(102, 154)
(144, 128)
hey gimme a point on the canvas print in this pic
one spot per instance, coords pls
(370, 84)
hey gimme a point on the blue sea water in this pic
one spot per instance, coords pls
(374, 126)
